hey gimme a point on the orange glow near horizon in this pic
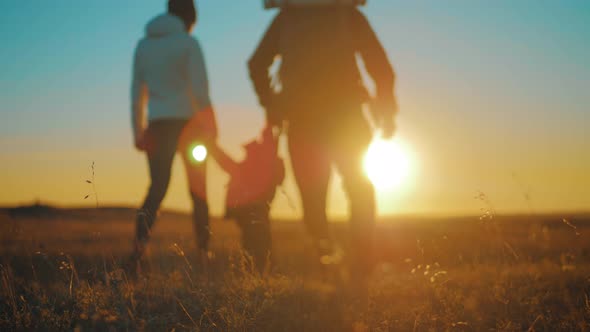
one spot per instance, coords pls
(443, 176)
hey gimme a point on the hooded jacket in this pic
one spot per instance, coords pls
(168, 74)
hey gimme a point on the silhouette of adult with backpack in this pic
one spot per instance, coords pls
(318, 92)
(169, 75)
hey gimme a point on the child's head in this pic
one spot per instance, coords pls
(185, 10)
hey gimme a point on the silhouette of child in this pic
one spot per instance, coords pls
(250, 191)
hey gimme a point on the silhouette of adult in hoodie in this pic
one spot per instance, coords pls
(319, 95)
(169, 76)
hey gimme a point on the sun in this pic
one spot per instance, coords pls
(387, 164)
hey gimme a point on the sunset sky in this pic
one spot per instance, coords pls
(494, 97)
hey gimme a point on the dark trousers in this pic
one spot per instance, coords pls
(254, 224)
(314, 148)
(163, 143)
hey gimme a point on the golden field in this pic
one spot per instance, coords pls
(61, 270)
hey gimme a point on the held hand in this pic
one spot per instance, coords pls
(273, 118)
(388, 127)
(141, 143)
(201, 127)
(385, 112)
(209, 141)
(207, 124)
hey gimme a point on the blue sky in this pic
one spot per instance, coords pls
(484, 87)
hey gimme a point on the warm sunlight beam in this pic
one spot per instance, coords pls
(387, 164)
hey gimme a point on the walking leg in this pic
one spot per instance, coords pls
(197, 180)
(349, 148)
(311, 167)
(160, 157)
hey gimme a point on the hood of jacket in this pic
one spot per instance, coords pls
(164, 25)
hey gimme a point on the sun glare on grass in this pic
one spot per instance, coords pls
(387, 164)
(199, 153)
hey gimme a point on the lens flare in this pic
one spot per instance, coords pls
(387, 164)
(199, 153)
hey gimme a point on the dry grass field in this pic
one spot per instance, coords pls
(60, 270)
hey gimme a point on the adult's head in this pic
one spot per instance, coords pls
(268, 4)
(185, 10)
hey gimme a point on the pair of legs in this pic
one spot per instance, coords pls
(314, 149)
(164, 140)
(254, 224)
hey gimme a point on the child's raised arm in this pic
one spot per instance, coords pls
(225, 161)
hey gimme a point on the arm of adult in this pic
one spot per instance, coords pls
(139, 98)
(199, 83)
(380, 70)
(259, 65)
(202, 125)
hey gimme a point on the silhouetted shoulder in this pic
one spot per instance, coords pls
(280, 16)
(276, 23)
(192, 42)
(359, 19)
(140, 44)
